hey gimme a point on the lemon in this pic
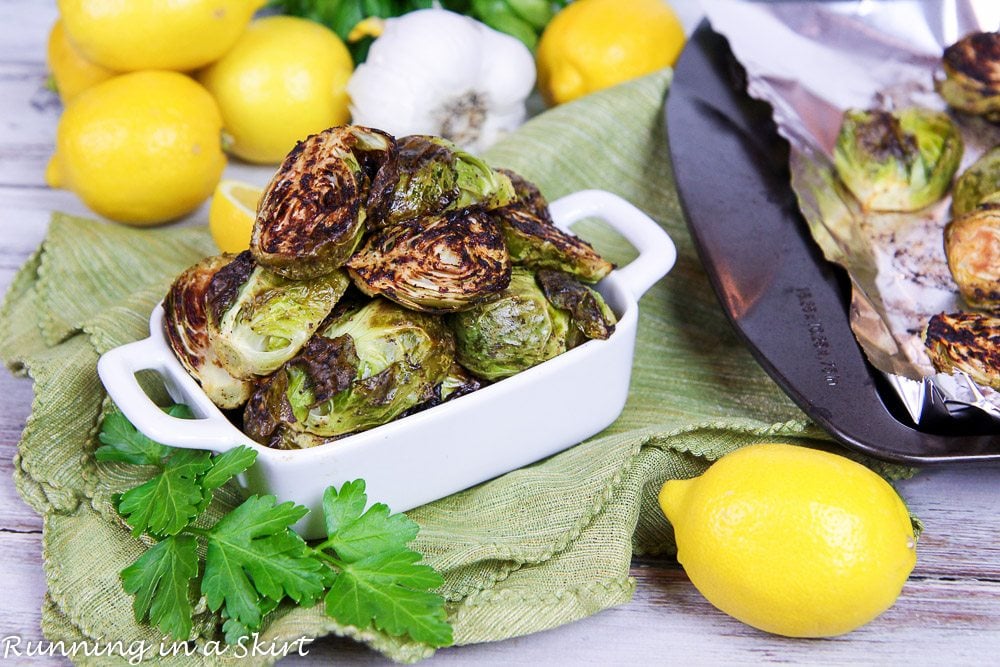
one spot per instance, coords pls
(793, 541)
(282, 81)
(141, 148)
(72, 72)
(127, 35)
(594, 44)
(231, 214)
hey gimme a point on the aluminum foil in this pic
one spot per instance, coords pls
(811, 61)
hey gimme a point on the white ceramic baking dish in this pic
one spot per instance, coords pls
(450, 447)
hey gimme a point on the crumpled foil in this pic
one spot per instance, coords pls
(811, 61)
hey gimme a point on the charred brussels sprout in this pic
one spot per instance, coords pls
(434, 264)
(258, 319)
(968, 342)
(978, 184)
(588, 311)
(534, 241)
(436, 176)
(898, 161)
(363, 370)
(185, 324)
(517, 330)
(312, 214)
(972, 75)
(972, 246)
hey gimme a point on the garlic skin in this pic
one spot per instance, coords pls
(437, 72)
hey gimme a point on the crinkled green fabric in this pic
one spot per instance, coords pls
(536, 548)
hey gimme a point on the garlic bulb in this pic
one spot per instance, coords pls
(437, 72)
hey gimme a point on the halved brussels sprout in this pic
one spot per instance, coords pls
(436, 176)
(185, 326)
(534, 241)
(434, 264)
(897, 161)
(972, 246)
(457, 383)
(978, 184)
(511, 333)
(587, 309)
(364, 369)
(258, 319)
(968, 342)
(972, 75)
(312, 214)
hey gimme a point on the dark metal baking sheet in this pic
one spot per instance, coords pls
(784, 299)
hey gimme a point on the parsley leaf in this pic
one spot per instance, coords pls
(378, 580)
(170, 501)
(123, 442)
(252, 553)
(354, 535)
(160, 581)
(227, 465)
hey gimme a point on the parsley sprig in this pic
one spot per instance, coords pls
(252, 559)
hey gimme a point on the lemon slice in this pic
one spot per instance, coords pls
(231, 214)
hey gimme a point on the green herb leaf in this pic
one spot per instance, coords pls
(171, 500)
(122, 442)
(354, 535)
(160, 581)
(384, 589)
(253, 554)
(378, 579)
(227, 465)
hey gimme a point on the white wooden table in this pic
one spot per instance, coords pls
(949, 611)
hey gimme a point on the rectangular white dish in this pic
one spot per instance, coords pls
(447, 448)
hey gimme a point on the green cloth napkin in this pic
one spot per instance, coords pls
(541, 546)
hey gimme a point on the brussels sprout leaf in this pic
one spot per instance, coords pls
(160, 581)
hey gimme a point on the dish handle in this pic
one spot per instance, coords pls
(657, 252)
(117, 369)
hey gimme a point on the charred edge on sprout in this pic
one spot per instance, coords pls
(330, 365)
(564, 292)
(881, 135)
(957, 339)
(396, 254)
(259, 422)
(226, 283)
(528, 197)
(976, 56)
(184, 309)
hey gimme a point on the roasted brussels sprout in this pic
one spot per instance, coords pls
(457, 383)
(436, 176)
(258, 319)
(312, 214)
(185, 319)
(972, 246)
(972, 75)
(512, 332)
(968, 342)
(978, 184)
(533, 240)
(587, 309)
(897, 161)
(434, 264)
(362, 370)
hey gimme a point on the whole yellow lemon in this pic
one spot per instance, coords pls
(791, 540)
(282, 81)
(595, 44)
(72, 72)
(141, 148)
(127, 35)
